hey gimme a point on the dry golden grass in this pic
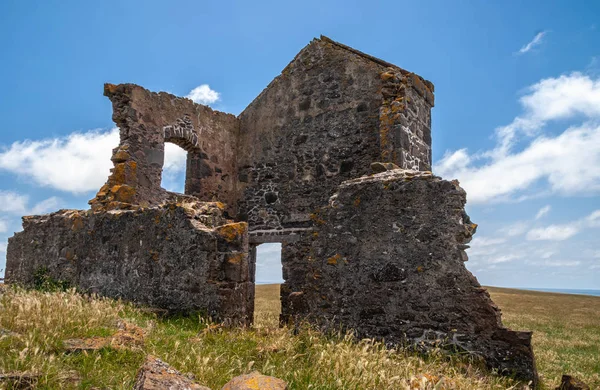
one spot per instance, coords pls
(566, 331)
(307, 360)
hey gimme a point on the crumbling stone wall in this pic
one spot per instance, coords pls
(386, 259)
(330, 114)
(180, 257)
(146, 121)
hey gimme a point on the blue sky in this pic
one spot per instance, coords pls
(517, 116)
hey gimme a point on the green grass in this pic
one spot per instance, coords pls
(566, 339)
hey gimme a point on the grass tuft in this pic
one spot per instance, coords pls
(566, 340)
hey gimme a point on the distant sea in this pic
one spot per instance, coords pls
(595, 293)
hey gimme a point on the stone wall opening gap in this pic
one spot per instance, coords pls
(268, 276)
(174, 168)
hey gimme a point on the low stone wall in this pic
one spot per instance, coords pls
(386, 259)
(180, 257)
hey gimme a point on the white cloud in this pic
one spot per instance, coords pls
(3, 226)
(567, 164)
(543, 211)
(562, 263)
(537, 39)
(45, 206)
(3, 247)
(202, 94)
(175, 159)
(77, 163)
(564, 231)
(553, 233)
(504, 258)
(174, 168)
(18, 204)
(593, 220)
(515, 229)
(12, 202)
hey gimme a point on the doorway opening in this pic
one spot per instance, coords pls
(267, 282)
(174, 168)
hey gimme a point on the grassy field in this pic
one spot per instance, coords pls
(567, 339)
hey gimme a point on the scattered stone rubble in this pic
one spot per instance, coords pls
(378, 253)
(157, 375)
(128, 336)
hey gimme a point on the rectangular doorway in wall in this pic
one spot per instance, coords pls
(268, 279)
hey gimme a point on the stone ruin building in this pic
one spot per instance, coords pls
(379, 251)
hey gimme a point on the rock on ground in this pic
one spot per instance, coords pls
(571, 383)
(157, 375)
(255, 381)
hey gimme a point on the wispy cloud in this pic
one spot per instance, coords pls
(564, 231)
(543, 211)
(203, 94)
(552, 233)
(567, 164)
(537, 40)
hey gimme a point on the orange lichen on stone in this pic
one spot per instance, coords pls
(70, 254)
(120, 156)
(236, 258)
(387, 75)
(357, 202)
(77, 223)
(232, 231)
(255, 381)
(123, 193)
(110, 88)
(316, 219)
(118, 174)
(334, 259)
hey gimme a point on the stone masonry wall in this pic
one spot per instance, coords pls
(320, 123)
(386, 259)
(146, 121)
(180, 257)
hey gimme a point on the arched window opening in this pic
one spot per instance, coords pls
(174, 168)
(268, 279)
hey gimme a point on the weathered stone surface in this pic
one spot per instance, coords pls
(158, 375)
(180, 257)
(255, 381)
(571, 383)
(385, 260)
(318, 124)
(378, 167)
(86, 344)
(128, 336)
(146, 121)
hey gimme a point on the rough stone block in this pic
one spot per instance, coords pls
(165, 256)
(386, 260)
